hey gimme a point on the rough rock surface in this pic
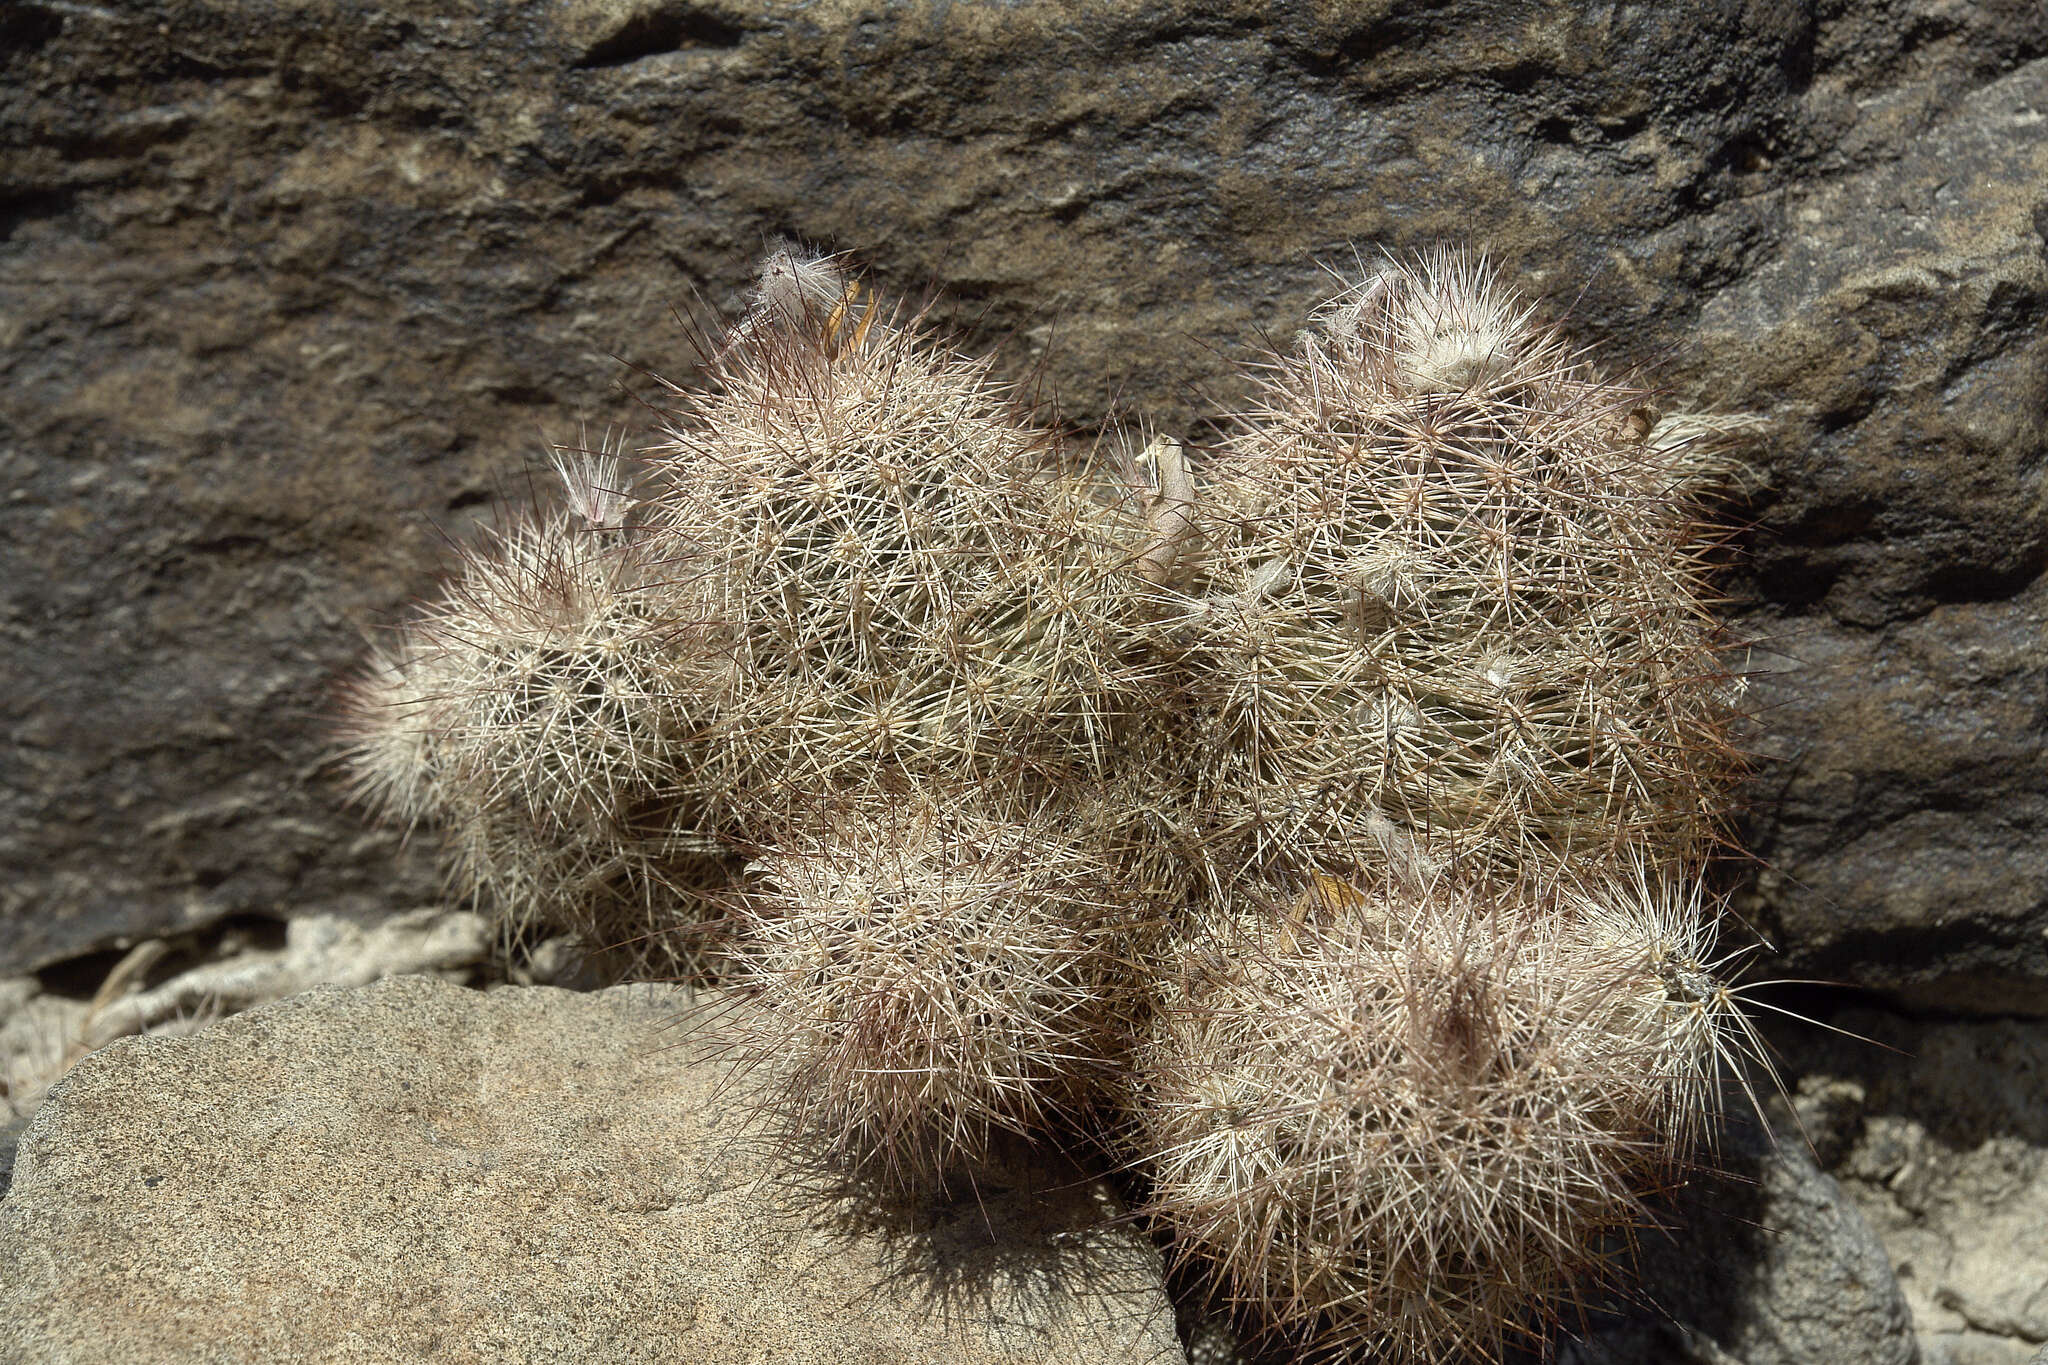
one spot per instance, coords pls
(1909, 1187)
(11, 1127)
(1943, 1143)
(1767, 1263)
(318, 950)
(285, 288)
(412, 1171)
(172, 988)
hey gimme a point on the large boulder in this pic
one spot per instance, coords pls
(413, 1171)
(285, 290)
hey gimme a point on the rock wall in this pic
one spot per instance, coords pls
(290, 293)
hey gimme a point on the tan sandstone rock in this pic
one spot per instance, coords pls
(416, 1172)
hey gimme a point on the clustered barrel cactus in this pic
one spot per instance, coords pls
(1320, 827)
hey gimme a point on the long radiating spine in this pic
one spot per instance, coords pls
(918, 603)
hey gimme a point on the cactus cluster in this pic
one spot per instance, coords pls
(1320, 827)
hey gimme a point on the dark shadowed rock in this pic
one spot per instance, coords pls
(286, 291)
(413, 1171)
(1941, 1138)
(1767, 1263)
(11, 1126)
